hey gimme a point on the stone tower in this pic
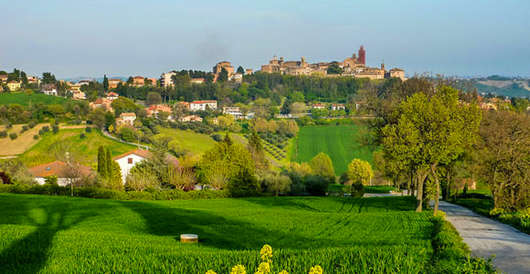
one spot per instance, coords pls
(362, 56)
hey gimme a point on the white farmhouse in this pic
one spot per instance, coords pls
(128, 160)
(58, 169)
(203, 105)
(49, 89)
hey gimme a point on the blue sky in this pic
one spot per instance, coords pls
(132, 37)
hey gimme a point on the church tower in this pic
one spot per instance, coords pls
(362, 56)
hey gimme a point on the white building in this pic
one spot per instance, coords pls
(49, 89)
(58, 169)
(203, 105)
(126, 118)
(166, 79)
(338, 107)
(78, 95)
(112, 96)
(128, 160)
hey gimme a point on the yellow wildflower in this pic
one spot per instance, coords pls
(266, 253)
(316, 270)
(238, 269)
(210, 272)
(264, 268)
(283, 272)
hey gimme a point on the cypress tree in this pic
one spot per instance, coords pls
(102, 166)
(108, 163)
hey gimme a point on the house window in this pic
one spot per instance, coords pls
(130, 161)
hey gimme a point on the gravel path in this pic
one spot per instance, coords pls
(487, 237)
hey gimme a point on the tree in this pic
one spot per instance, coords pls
(240, 70)
(179, 111)
(504, 157)
(223, 76)
(141, 177)
(123, 104)
(430, 131)
(277, 183)
(97, 117)
(153, 98)
(102, 162)
(105, 83)
(108, 162)
(360, 171)
(256, 150)
(321, 165)
(334, 68)
(48, 78)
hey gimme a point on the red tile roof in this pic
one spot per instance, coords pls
(56, 168)
(203, 102)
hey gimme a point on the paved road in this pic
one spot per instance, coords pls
(486, 237)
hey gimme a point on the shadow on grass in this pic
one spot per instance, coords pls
(218, 231)
(30, 253)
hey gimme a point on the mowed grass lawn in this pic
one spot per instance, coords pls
(77, 235)
(54, 146)
(186, 140)
(340, 142)
(22, 98)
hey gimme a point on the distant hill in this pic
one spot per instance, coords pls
(504, 86)
(99, 79)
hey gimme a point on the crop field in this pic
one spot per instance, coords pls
(54, 146)
(340, 142)
(22, 143)
(186, 140)
(25, 99)
(65, 235)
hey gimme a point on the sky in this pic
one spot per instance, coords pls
(132, 37)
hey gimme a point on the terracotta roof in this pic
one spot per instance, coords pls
(146, 154)
(112, 94)
(128, 114)
(203, 102)
(56, 168)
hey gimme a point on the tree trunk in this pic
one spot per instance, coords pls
(437, 195)
(421, 175)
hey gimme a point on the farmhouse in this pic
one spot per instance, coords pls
(78, 95)
(49, 89)
(33, 80)
(338, 107)
(3, 78)
(64, 174)
(319, 106)
(113, 83)
(203, 105)
(154, 110)
(14, 85)
(138, 81)
(112, 96)
(102, 103)
(128, 160)
(191, 118)
(126, 119)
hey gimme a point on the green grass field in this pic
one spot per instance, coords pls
(76, 235)
(53, 146)
(340, 142)
(186, 140)
(25, 99)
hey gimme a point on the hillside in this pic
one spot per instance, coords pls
(54, 146)
(186, 140)
(22, 143)
(340, 142)
(25, 99)
(503, 87)
(78, 235)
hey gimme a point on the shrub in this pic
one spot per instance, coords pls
(13, 136)
(3, 133)
(36, 137)
(82, 136)
(55, 129)
(24, 128)
(45, 129)
(88, 129)
(32, 124)
(217, 137)
(317, 185)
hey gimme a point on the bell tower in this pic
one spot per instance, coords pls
(362, 56)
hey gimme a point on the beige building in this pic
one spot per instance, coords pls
(397, 73)
(138, 81)
(166, 79)
(220, 66)
(113, 83)
(14, 85)
(126, 119)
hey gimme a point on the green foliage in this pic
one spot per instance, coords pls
(153, 98)
(379, 189)
(322, 166)
(360, 171)
(102, 162)
(13, 136)
(334, 68)
(123, 104)
(128, 134)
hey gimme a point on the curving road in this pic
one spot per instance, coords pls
(487, 237)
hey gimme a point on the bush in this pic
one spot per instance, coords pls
(217, 137)
(55, 129)
(24, 128)
(82, 136)
(3, 134)
(36, 137)
(13, 136)
(317, 185)
(32, 124)
(88, 129)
